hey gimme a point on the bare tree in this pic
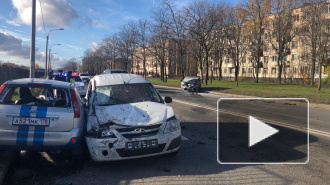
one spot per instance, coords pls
(237, 46)
(258, 11)
(142, 30)
(71, 65)
(283, 32)
(109, 48)
(203, 18)
(177, 31)
(127, 37)
(315, 31)
(159, 40)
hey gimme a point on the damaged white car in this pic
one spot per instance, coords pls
(127, 118)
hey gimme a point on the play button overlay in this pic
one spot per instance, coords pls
(263, 131)
(258, 131)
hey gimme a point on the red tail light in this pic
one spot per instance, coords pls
(76, 108)
(2, 87)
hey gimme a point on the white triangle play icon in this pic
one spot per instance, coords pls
(259, 131)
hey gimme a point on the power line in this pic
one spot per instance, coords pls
(42, 15)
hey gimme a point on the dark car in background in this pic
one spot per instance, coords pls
(191, 84)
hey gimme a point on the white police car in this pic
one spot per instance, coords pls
(127, 118)
(78, 82)
(39, 114)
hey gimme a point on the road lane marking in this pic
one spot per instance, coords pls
(313, 131)
(184, 138)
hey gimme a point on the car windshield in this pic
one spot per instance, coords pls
(126, 93)
(77, 78)
(188, 78)
(83, 74)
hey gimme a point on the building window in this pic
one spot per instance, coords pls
(325, 9)
(243, 71)
(265, 71)
(266, 59)
(294, 44)
(225, 71)
(274, 35)
(295, 18)
(250, 60)
(227, 61)
(296, 30)
(267, 35)
(294, 71)
(294, 57)
(266, 47)
(307, 16)
(273, 70)
(250, 70)
(231, 70)
(328, 54)
(304, 43)
(274, 58)
(243, 60)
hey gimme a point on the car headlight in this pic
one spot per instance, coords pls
(172, 124)
(107, 133)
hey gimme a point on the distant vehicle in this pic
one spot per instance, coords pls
(85, 77)
(111, 71)
(191, 83)
(39, 114)
(128, 119)
(80, 84)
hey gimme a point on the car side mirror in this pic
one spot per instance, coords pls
(84, 102)
(168, 99)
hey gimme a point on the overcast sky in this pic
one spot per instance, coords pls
(85, 23)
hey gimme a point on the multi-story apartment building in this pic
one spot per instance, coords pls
(297, 59)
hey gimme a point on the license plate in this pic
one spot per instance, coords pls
(135, 145)
(31, 121)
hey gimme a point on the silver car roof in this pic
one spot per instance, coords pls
(117, 79)
(39, 80)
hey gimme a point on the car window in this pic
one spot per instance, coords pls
(126, 93)
(77, 78)
(41, 96)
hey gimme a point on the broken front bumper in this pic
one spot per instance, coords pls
(111, 149)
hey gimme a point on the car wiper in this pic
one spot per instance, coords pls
(106, 104)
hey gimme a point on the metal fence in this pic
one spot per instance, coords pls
(15, 72)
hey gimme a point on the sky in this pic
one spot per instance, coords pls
(85, 24)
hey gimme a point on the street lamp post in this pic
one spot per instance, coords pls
(46, 67)
(49, 63)
(50, 49)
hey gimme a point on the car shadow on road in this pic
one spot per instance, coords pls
(287, 146)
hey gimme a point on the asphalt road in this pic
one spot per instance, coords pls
(196, 163)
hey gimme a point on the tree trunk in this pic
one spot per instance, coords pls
(320, 77)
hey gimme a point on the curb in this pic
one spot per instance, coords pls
(313, 105)
(6, 157)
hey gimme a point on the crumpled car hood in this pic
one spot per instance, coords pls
(134, 114)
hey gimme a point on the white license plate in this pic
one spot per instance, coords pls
(135, 145)
(31, 121)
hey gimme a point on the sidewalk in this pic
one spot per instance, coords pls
(5, 159)
(312, 105)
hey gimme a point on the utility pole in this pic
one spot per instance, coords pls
(33, 40)
(47, 39)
